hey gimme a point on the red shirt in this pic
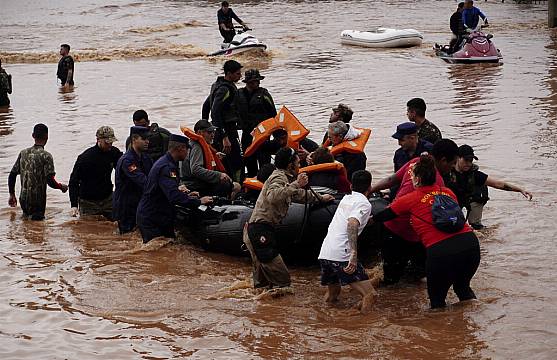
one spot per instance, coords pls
(401, 225)
(417, 205)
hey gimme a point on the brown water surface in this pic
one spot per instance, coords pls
(75, 289)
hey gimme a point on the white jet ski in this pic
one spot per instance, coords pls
(241, 42)
(382, 38)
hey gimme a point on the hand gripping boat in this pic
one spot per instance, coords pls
(300, 234)
(241, 42)
(382, 38)
(477, 47)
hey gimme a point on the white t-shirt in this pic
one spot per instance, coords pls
(336, 246)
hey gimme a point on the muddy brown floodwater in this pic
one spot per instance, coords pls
(74, 289)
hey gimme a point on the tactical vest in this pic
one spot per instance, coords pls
(254, 109)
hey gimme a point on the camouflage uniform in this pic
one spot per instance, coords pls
(5, 87)
(35, 165)
(429, 132)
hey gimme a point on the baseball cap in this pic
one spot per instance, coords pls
(407, 128)
(466, 151)
(106, 133)
(204, 125)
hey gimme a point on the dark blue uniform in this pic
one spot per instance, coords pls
(131, 176)
(402, 157)
(155, 213)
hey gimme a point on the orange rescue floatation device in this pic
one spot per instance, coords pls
(356, 145)
(334, 166)
(211, 160)
(283, 120)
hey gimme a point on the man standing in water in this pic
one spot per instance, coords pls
(130, 178)
(281, 188)
(415, 111)
(90, 181)
(65, 66)
(155, 212)
(36, 167)
(224, 17)
(5, 86)
(222, 104)
(339, 253)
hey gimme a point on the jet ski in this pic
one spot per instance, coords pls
(241, 42)
(219, 228)
(382, 38)
(477, 47)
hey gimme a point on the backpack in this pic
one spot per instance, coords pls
(446, 214)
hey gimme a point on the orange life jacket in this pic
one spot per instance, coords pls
(356, 145)
(284, 120)
(334, 166)
(253, 184)
(211, 161)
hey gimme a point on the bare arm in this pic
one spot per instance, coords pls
(69, 79)
(352, 230)
(385, 183)
(502, 185)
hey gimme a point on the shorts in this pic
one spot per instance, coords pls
(332, 273)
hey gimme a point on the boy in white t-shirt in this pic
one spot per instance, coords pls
(339, 253)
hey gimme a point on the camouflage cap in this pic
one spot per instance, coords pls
(106, 133)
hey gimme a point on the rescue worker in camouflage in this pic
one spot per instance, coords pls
(65, 66)
(130, 177)
(156, 209)
(255, 104)
(284, 186)
(158, 136)
(222, 104)
(36, 168)
(90, 181)
(5, 86)
(415, 111)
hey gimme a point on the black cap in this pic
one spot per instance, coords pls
(231, 66)
(140, 114)
(180, 139)
(204, 125)
(466, 151)
(139, 130)
(407, 128)
(252, 74)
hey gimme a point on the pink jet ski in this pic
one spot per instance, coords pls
(477, 47)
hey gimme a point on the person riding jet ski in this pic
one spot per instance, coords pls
(471, 16)
(224, 17)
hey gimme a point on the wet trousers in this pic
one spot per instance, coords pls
(96, 207)
(272, 273)
(452, 262)
(397, 253)
(475, 213)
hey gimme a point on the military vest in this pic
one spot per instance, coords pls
(254, 109)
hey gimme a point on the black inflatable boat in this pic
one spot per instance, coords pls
(220, 229)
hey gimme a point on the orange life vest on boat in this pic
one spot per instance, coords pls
(356, 145)
(283, 120)
(211, 161)
(253, 184)
(334, 166)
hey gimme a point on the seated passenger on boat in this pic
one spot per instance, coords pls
(325, 175)
(202, 170)
(347, 145)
